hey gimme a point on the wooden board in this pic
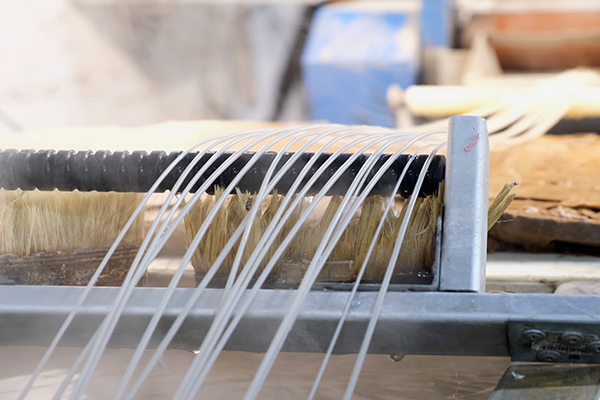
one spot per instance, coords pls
(558, 196)
(558, 168)
(69, 268)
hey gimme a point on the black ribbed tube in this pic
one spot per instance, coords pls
(122, 171)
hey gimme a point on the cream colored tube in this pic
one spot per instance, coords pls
(443, 101)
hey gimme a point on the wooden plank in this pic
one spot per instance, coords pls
(548, 382)
(558, 196)
(543, 224)
(557, 168)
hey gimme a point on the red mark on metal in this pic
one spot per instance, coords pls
(472, 142)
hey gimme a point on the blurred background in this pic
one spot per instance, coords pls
(129, 63)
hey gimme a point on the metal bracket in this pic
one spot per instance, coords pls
(464, 239)
(555, 342)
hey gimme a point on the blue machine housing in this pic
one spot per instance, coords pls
(353, 54)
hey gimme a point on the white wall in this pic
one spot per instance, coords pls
(64, 63)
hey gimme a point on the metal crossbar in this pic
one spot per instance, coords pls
(433, 323)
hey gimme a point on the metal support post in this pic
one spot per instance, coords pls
(464, 236)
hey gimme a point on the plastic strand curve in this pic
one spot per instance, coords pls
(230, 329)
(286, 324)
(257, 285)
(198, 365)
(92, 281)
(261, 197)
(340, 231)
(152, 252)
(178, 274)
(262, 277)
(179, 320)
(127, 284)
(383, 290)
(102, 265)
(186, 259)
(124, 294)
(355, 287)
(198, 290)
(235, 288)
(110, 320)
(173, 329)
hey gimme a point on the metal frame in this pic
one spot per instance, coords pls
(434, 323)
(32, 315)
(430, 322)
(523, 381)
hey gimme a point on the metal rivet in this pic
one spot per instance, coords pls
(572, 338)
(397, 357)
(534, 335)
(594, 347)
(548, 356)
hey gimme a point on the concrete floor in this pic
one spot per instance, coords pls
(422, 377)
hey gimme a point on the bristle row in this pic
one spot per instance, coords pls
(32, 222)
(417, 253)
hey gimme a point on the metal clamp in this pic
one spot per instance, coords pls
(555, 342)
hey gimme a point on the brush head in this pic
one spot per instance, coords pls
(60, 238)
(37, 221)
(417, 254)
(415, 261)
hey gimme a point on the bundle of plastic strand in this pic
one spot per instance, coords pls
(355, 286)
(312, 273)
(531, 112)
(128, 278)
(256, 287)
(115, 312)
(230, 275)
(235, 138)
(384, 287)
(286, 326)
(521, 115)
(305, 285)
(245, 271)
(245, 224)
(104, 331)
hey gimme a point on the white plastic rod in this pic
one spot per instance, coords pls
(443, 101)
(464, 235)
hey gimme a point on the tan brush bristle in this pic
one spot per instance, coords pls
(351, 248)
(227, 220)
(35, 221)
(417, 251)
(500, 204)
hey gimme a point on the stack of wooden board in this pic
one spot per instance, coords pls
(558, 197)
